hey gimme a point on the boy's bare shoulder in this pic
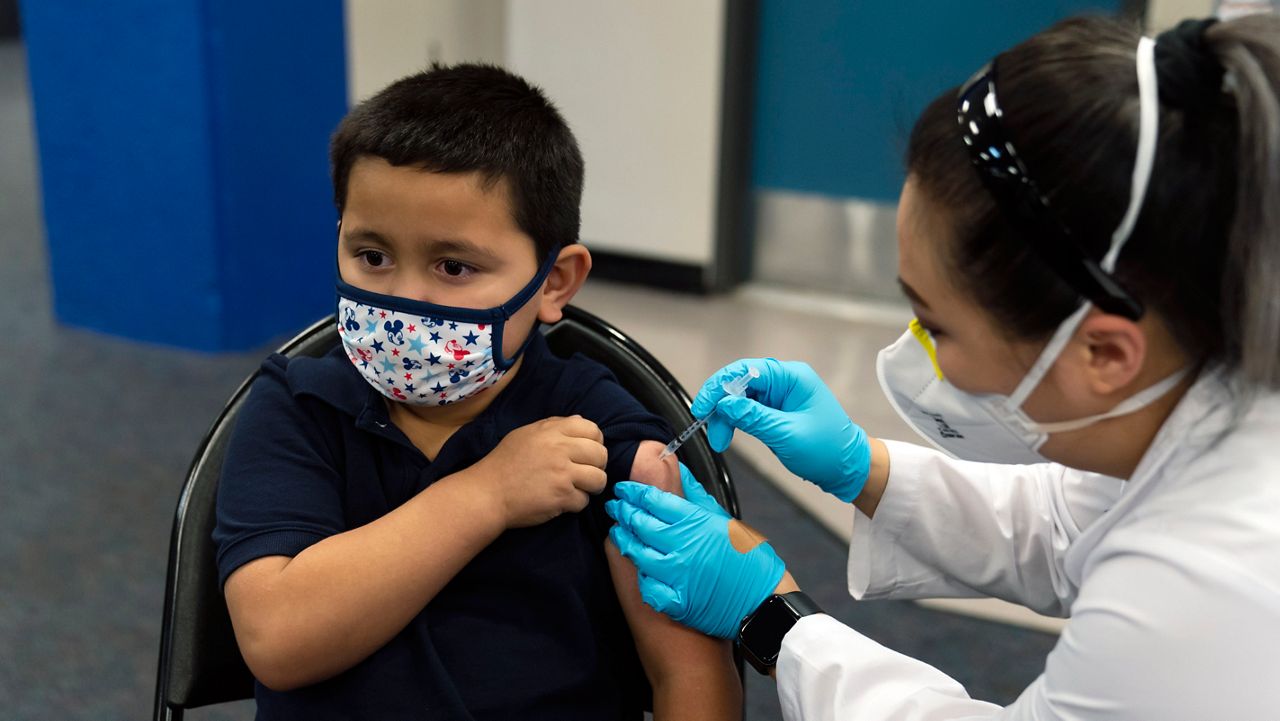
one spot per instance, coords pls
(648, 468)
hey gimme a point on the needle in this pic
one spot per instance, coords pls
(735, 387)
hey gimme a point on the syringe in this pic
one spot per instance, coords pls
(735, 387)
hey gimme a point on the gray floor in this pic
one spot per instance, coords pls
(97, 431)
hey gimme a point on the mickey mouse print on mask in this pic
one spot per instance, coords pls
(425, 354)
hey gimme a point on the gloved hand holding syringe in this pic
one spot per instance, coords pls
(735, 387)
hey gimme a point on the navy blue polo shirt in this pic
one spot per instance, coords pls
(531, 628)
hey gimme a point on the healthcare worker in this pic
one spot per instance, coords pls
(1089, 235)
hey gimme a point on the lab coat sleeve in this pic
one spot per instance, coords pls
(1165, 629)
(827, 671)
(950, 528)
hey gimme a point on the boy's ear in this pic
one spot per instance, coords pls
(566, 277)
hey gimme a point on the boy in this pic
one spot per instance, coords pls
(411, 527)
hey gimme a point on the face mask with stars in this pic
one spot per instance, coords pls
(426, 354)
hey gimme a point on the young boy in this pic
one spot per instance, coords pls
(412, 527)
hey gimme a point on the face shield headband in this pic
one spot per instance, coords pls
(1003, 173)
(1097, 286)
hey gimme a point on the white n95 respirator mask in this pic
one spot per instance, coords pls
(982, 427)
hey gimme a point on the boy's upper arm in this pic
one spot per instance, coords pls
(635, 438)
(672, 654)
(280, 491)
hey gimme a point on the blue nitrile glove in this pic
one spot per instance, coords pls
(697, 495)
(688, 567)
(792, 411)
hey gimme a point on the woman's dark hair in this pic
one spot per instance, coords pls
(1205, 253)
(473, 118)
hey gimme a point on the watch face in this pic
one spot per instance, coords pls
(762, 633)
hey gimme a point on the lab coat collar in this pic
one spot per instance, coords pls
(1202, 418)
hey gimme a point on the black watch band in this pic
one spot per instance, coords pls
(760, 635)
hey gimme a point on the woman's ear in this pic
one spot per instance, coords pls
(1115, 351)
(563, 282)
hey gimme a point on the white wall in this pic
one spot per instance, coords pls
(639, 82)
(1164, 14)
(388, 39)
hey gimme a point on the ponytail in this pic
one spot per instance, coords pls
(1249, 51)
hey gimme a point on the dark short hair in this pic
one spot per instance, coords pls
(1205, 253)
(473, 118)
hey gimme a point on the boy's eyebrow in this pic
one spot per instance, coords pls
(363, 234)
(459, 246)
(912, 294)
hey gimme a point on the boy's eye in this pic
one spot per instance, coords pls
(374, 258)
(455, 268)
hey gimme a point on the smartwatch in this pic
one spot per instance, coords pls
(761, 633)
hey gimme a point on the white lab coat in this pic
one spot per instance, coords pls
(1171, 579)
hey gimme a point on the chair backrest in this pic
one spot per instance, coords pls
(200, 663)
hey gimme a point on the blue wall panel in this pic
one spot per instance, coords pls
(271, 125)
(840, 82)
(183, 161)
(122, 125)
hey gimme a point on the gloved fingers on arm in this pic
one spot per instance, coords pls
(620, 511)
(646, 559)
(697, 495)
(661, 597)
(666, 507)
(647, 529)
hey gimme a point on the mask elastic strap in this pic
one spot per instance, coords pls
(1148, 130)
(1048, 356)
(1133, 403)
(515, 304)
(471, 315)
(526, 293)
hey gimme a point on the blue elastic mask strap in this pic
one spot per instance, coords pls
(468, 315)
(515, 304)
(518, 301)
(496, 316)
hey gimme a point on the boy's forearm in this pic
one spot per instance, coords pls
(305, 619)
(710, 692)
(693, 676)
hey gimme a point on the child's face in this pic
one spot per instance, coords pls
(442, 238)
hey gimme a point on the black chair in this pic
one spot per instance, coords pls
(200, 663)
